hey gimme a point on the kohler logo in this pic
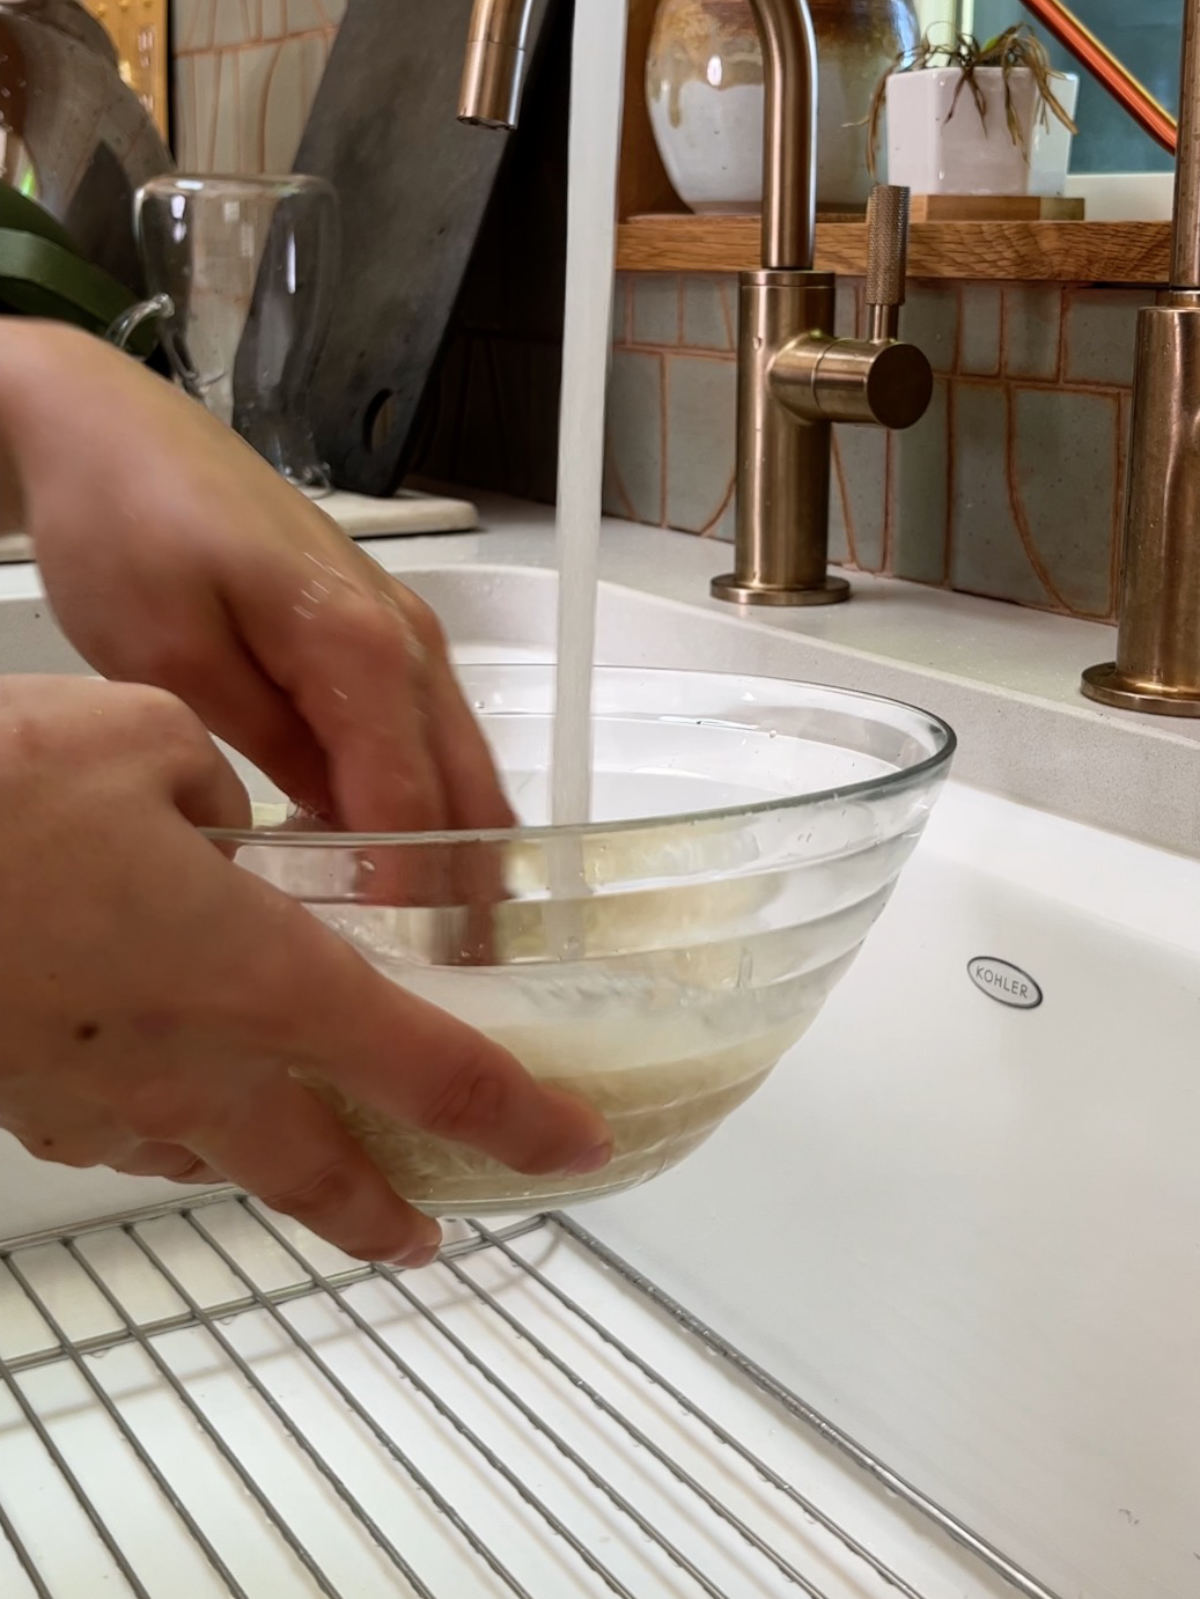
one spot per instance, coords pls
(1005, 983)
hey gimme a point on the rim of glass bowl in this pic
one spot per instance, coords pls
(891, 783)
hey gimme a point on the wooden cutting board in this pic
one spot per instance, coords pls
(356, 514)
(414, 186)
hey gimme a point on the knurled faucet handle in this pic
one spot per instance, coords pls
(887, 258)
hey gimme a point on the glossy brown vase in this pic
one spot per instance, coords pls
(704, 87)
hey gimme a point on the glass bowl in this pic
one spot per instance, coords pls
(658, 961)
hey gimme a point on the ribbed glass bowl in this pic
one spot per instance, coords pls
(660, 960)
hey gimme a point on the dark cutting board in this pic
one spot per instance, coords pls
(414, 186)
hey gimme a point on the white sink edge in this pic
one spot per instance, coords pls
(1005, 678)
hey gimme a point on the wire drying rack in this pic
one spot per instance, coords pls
(203, 1401)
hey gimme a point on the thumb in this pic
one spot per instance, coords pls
(387, 1048)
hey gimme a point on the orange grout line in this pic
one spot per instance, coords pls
(688, 350)
(1015, 505)
(211, 160)
(888, 453)
(723, 290)
(706, 532)
(664, 442)
(951, 478)
(1124, 423)
(618, 483)
(1002, 353)
(847, 519)
(1061, 357)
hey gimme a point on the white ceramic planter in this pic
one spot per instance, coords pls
(932, 151)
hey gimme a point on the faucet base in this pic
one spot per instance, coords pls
(1107, 686)
(732, 588)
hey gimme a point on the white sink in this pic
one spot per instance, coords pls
(966, 1230)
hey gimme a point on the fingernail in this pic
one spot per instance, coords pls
(595, 1160)
(423, 1253)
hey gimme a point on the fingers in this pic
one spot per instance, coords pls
(205, 788)
(172, 1161)
(474, 792)
(473, 788)
(234, 699)
(391, 1050)
(363, 662)
(312, 1170)
(352, 670)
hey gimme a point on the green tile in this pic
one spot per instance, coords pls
(1065, 461)
(1101, 330)
(655, 308)
(986, 553)
(701, 438)
(979, 336)
(930, 319)
(863, 455)
(839, 543)
(635, 432)
(709, 312)
(622, 291)
(845, 317)
(725, 528)
(920, 466)
(1032, 327)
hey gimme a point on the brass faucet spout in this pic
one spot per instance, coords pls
(790, 133)
(795, 378)
(495, 62)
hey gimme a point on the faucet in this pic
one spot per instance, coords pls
(795, 377)
(1157, 668)
(495, 62)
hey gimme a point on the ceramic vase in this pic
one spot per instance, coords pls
(704, 88)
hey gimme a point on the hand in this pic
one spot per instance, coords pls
(174, 556)
(156, 998)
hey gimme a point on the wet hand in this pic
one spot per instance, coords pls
(174, 556)
(158, 1001)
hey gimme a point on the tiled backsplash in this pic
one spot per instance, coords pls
(1010, 487)
(246, 72)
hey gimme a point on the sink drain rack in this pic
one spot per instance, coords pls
(204, 1400)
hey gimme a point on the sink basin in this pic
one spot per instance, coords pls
(964, 1229)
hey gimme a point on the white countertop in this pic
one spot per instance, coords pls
(1007, 678)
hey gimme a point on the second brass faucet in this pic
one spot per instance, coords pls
(795, 377)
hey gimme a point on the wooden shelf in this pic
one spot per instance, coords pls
(1056, 252)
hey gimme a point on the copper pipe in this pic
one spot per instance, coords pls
(790, 149)
(1108, 72)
